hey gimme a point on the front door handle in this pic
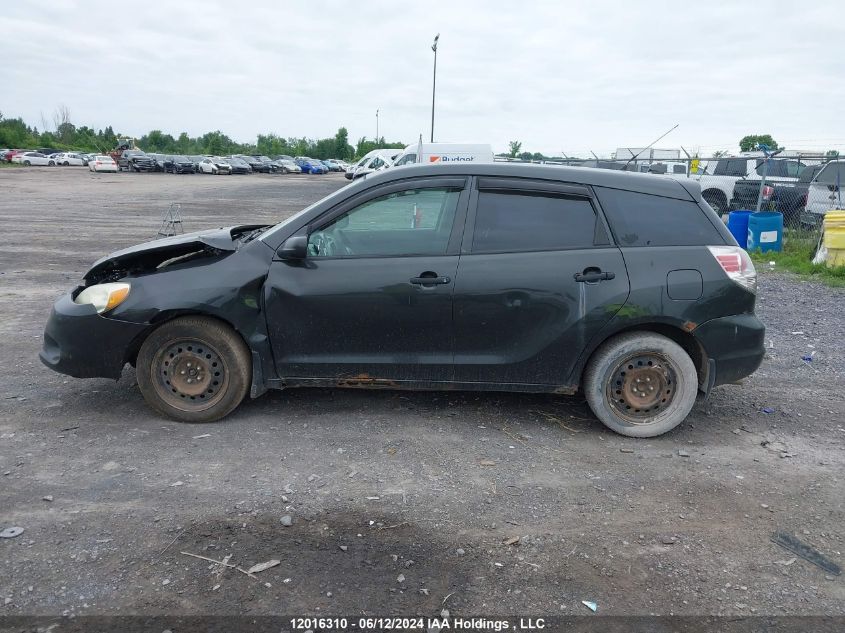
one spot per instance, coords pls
(593, 275)
(429, 278)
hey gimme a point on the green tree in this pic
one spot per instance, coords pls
(526, 156)
(514, 146)
(832, 153)
(751, 142)
(341, 144)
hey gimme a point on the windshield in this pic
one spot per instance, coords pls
(181, 159)
(407, 158)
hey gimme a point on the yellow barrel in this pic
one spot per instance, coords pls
(834, 237)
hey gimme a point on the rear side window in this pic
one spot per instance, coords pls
(639, 219)
(732, 167)
(781, 168)
(523, 221)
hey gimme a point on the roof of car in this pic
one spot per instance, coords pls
(658, 185)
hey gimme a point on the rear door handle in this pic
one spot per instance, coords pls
(593, 275)
(430, 281)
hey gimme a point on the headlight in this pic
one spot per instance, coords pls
(103, 296)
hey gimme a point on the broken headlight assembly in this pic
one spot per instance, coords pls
(103, 296)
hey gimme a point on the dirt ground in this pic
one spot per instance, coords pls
(400, 503)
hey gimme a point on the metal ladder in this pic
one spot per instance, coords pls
(171, 221)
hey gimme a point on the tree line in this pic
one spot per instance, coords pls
(63, 134)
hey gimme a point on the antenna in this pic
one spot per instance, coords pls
(594, 155)
(634, 157)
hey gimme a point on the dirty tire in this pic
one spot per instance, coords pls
(194, 369)
(640, 384)
(716, 199)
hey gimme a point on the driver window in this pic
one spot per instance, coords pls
(405, 223)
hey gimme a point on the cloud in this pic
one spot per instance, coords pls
(556, 75)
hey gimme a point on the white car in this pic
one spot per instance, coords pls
(824, 193)
(207, 166)
(34, 158)
(70, 159)
(102, 163)
(382, 160)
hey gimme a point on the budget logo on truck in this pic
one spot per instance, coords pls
(450, 159)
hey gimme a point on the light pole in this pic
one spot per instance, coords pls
(434, 84)
(376, 127)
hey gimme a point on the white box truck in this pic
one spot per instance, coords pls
(444, 153)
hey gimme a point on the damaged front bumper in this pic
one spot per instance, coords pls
(81, 343)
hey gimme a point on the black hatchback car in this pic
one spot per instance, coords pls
(525, 278)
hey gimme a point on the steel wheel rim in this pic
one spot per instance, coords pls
(641, 386)
(189, 374)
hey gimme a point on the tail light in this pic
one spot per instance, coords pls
(768, 192)
(737, 265)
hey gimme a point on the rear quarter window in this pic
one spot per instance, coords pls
(639, 219)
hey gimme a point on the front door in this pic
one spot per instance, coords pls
(537, 279)
(373, 298)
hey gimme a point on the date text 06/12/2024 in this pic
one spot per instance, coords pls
(415, 623)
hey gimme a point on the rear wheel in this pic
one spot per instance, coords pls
(194, 369)
(641, 384)
(717, 200)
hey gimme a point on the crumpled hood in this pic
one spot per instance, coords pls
(149, 255)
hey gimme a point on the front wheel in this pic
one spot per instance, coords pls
(194, 369)
(641, 384)
(27, 163)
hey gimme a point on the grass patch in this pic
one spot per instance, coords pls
(796, 257)
(3, 164)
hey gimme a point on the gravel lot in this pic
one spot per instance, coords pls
(399, 501)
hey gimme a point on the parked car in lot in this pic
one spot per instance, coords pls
(333, 165)
(287, 166)
(824, 193)
(158, 161)
(68, 159)
(382, 159)
(239, 165)
(102, 162)
(269, 166)
(11, 153)
(178, 164)
(255, 164)
(353, 167)
(310, 165)
(134, 160)
(33, 158)
(213, 165)
(719, 184)
(781, 191)
(626, 287)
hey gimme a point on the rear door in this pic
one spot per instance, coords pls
(538, 277)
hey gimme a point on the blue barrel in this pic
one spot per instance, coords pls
(765, 231)
(738, 225)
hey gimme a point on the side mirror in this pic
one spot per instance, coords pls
(295, 247)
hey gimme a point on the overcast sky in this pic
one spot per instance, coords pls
(558, 76)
